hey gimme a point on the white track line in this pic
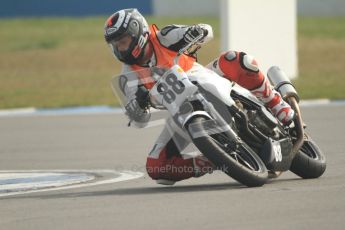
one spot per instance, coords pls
(17, 112)
(120, 176)
(36, 181)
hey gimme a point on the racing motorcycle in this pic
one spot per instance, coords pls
(230, 126)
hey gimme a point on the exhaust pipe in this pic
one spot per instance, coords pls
(282, 83)
(298, 126)
(288, 92)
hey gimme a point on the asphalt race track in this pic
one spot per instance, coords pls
(96, 142)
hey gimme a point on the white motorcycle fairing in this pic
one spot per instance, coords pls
(212, 83)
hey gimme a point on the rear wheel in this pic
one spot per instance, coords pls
(310, 162)
(232, 156)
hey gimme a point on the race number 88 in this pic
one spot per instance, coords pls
(177, 87)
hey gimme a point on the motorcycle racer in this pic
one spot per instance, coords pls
(140, 46)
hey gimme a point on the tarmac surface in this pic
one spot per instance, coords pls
(215, 201)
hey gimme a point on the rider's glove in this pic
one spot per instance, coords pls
(134, 111)
(193, 32)
(137, 109)
(143, 98)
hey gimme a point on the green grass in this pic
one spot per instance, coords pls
(53, 62)
(321, 54)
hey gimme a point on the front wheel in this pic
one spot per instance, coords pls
(232, 156)
(309, 162)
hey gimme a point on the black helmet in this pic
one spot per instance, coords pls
(127, 22)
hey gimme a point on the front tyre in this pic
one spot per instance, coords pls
(234, 157)
(309, 162)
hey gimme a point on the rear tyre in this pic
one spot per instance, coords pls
(310, 162)
(234, 157)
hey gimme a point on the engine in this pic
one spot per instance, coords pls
(264, 121)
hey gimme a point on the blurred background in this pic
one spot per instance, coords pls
(53, 54)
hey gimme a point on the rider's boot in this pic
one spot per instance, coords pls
(201, 166)
(165, 182)
(272, 99)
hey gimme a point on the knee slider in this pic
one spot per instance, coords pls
(248, 62)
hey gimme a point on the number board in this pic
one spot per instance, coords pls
(173, 88)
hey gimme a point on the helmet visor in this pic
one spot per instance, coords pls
(122, 44)
(122, 47)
